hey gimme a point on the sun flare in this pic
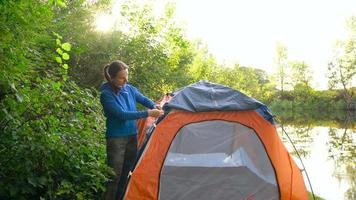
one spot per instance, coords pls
(104, 22)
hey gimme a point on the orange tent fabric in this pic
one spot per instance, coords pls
(144, 181)
(144, 123)
(142, 126)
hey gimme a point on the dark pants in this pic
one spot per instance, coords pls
(121, 155)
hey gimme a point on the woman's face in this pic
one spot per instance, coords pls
(121, 78)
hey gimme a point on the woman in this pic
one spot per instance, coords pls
(119, 103)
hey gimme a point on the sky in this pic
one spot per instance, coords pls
(247, 31)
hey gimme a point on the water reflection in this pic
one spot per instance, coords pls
(328, 152)
(342, 151)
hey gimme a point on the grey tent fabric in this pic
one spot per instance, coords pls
(204, 96)
(217, 160)
(187, 183)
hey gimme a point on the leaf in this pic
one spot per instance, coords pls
(19, 97)
(42, 180)
(13, 190)
(22, 66)
(59, 60)
(61, 4)
(59, 51)
(65, 56)
(5, 111)
(66, 46)
(13, 87)
(32, 181)
(57, 35)
(65, 66)
(8, 116)
(57, 86)
(58, 41)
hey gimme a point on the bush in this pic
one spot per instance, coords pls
(52, 143)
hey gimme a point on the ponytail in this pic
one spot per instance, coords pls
(106, 73)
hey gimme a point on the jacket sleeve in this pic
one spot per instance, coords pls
(148, 103)
(110, 106)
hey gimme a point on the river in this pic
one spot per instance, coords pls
(328, 154)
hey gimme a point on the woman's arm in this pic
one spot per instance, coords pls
(110, 106)
(148, 103)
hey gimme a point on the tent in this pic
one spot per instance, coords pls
(214, 143)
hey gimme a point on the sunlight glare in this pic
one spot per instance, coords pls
(104, 22)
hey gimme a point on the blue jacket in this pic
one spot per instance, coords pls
(120, 109)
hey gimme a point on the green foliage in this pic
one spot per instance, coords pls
(51, 131)
(157, 51)
(301, 74)
(203, 65)
(342, 68)
(154, 47)
(282, 66)
(251, 81)
(321, 108)
(56, 133)
(22, 24)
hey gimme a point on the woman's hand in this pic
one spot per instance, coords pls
(155, 113)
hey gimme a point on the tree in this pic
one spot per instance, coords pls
(157, 50)
(203, 66)
(300, 73)
(342, 68)
(154, 47)
(281, 64)
(301, 78)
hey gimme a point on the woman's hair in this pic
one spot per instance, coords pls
(112, 69)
